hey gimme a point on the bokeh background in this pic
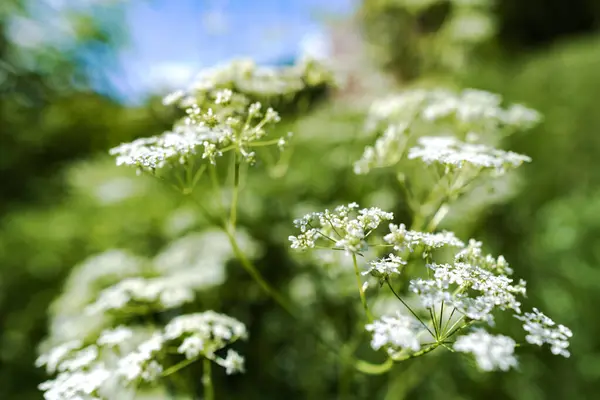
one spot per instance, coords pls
(78, 77)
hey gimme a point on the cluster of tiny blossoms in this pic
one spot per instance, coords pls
(470, 111)
(451, 153)
(88, 372)
(345, 228)
(209, 131)
(471, 115)
(473, 286)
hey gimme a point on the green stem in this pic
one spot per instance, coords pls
(209, 392)
(420, 352)
(234, 197)
(363, 298)
(255, 274)
(374, 369)
(410, 309)
(177, 367)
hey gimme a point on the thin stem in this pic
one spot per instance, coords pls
(255, 274)
(177, 367)
(458, 321)
(374, 369)
(217, 187)
(434, 322)
(209, 391)
(363, 298)
(409, 309)
(441, 316)
(234, 198)
(460, 328)
(448, 321)
(420, 352)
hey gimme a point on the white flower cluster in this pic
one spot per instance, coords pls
(246, 77)
(387, 150)
(404, 239)
(204, 333)
(385, 267)
(215, 131)
(80, 373)
(82, 384)
(395, 333)
(170, 148)
(473, 254)
(155, 293)
(140, 365)
(88, 372)
(193, 335)
(477, 110)
(472, 290)
(346, 227)
(452, 153)
(541, 329)
(492, 352)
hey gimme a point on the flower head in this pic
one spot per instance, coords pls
(491, 352)
(541, 329)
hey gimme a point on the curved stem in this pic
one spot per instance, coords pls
(361, 292)
(209, 392)
(374, 369)
(420, 352)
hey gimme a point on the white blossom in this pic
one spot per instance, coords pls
(76, 385)
(233, 362)
(442, 109)
(541, 329)
(472, 290)
(53, 358)
(404, 239)
(450, 152)
(155, 293)
(141, 364)
(346, 227)
(385, 267)
(387, 150)
(396, 333)
(492, 352)
(114, 337)
(473, 254)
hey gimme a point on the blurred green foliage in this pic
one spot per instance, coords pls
(56, 208)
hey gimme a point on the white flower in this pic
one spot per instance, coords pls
(387, 150)
(541, 329)
(453, 153)
(473, 254)
(472, 290)
(233, 362)
(386, 267)
(77, 385)
(191, 346)
(56, 355)
(114, 337)
(396, 333)
(204, 333)
(439, 108)
(339, 227)
(491, 352)
(79, 360)
(140, 364)
(403, 239)
(155, 293)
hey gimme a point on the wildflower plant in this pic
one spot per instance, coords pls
(146, 326)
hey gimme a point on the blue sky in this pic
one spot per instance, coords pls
(169, 40)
